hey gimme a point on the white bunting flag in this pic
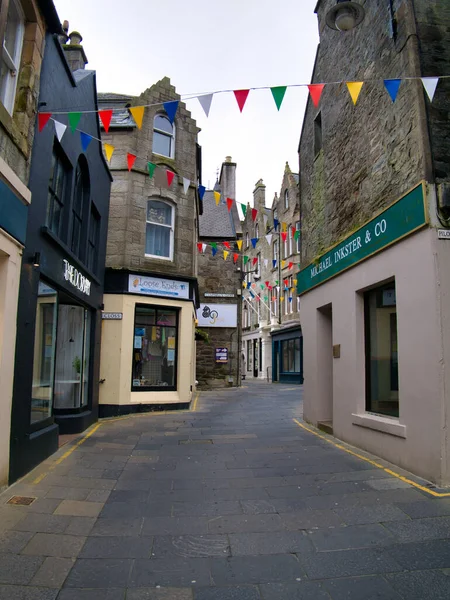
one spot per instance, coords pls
(205, 101)
(269, 238)
(60, 129)
(186, 184)
(430, 85)
(204, 246)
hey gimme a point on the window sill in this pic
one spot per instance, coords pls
(154, 257)
(380, 423)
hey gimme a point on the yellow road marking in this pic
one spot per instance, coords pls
(372, 462)
(194, 406)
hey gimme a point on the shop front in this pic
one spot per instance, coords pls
(148, 342)
(287, 355)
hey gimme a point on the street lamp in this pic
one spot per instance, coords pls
(345, 15)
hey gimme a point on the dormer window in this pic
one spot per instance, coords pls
(163, 136)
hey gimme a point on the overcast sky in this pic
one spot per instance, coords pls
(206, 46)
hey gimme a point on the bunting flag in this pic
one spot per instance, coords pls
(43, 119)
(105, 116)
(290, 265)
(392, 86)
(354, 88)
(315, 91)
(274, 263)
(225, 254)
(295, 282)
(290, 298)
(229, 204)
(74, 119)
(269, 238)
(86, 139)
(214, 245)
(266, 298)
(200, 246)
(267, 283)
(239, 244)
(277, 283)
(131, 158)
(255, 260)
(217, 198)
(151, 169)
(186, 184)
(170, 176)
(244, 209)
(245, 260)
(258, 298)
(293, 230)
(241, 97)
(204, 247)
(244, 285)
(214, 251)
(205, 102)
(274, 298)
(296, 235)
(254, 214)
(283, 236)
(286, 282)
(201, 191)
(283, 264)
(276, 222)
(254, 241)
(227, 245)
(137, 112)
(430, 85)
(235, 257)
(284, 227)
(60, 130)
(282, 298)
(262, 286)
(278, 94)
(251, 294)
(109, 151)
(171, 109)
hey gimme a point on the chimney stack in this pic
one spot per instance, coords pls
(259, 195)
(75, 54)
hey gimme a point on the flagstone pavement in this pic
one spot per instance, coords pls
(232, 501)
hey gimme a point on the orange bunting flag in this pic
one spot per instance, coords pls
(217, 198)
(290, 265)
(105, 116)
(239, 244)
(138, 114)
(131, 158)
(241, 97)
(227, 245)
(229, 203)
(255, 260)
(235, 257)
(315, 90)
(254, 214)
(354, 88)
(170, 176)
(283, 236)
(225, 254)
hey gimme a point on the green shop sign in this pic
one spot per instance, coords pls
(399, 220)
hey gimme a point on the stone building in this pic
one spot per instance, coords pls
(374, 190)
(219, 278)
(151, 291)
(271, 339)
(23, 24)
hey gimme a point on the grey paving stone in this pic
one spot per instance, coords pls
(347, 563)
(343, 487)
(361, 588)
(309, 519)
(190, 546)
(18, 569)
(14, 541)
(53, 572)
(153, 508)
(240, 592)
(355, 536)
(41, 505)
(115, 527)
(78, 508)
(129, 496)
(255, 569)
(99, 573)
(301, 590)
(177, 572)
(80, 482)
(52, 544)
(68, 493)
(359, 515)
(175, 525)
(427, 508)
(296, 491)
(245, 523)
(167, 593)
(286, 505)
(38, 523)
(117, 547)
(258, 507)
(206, 509)
(264, 482)
(421, 585)
(18, 592)
(280, 542)
(80, 525)
(420, 529)
(391, 483)
(98, 496)
(92, 594)
(422, 555)
(366, 476)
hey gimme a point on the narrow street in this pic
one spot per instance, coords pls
(231, 501)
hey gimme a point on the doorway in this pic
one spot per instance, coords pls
(255, 358)
(324, 405)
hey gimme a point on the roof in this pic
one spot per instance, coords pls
(104, 97)
(51, 16)
(81, 74)
(216, 221)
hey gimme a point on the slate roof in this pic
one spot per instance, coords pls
(216, 221)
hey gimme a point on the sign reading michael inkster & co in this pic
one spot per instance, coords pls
(399, 220)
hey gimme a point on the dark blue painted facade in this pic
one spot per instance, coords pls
(280, 372)
(13, 213)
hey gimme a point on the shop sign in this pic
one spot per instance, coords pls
(112, 316)
(217, 315)
(399, 220)
(221, 355)
(210, 295)
(73, 276)
(443, 234)
(154, 286)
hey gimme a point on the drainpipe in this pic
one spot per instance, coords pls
(238, 354)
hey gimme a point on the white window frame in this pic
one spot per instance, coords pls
(257, 272)
(160, 131)
(291, 241)
(275, 250)
(285, 245)
(288, 305)
(245, 317)
(297, 228)
(171, 227)
(274, 303)
(247, 240)
(286, 199)
(12, 63)
(257, 231)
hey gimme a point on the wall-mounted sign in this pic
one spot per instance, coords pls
(154, 286)
(221, 355)
(73, 276)
(112, 316)
(211, 295)
(443, 234)
(217, 315)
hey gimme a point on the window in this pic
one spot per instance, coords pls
(297, 228)
(163, 136)
(274, 302)
(275, 250)
(286, 199)
(11, 54)
(288, 308)
(249, 355)
(382, 389)
(247, 240)
(317, 134)
(285, 245)
(290, 355)
(93, 239)
(258, 265)
(79, 207)
(291, 240)
(155, 348)
(245, 322)
(160, 229)
(257, 231)
(275, 214)
(57, 191)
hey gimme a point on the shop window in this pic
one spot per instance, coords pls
(155, 348)
(79, 207)
(93, 240)
(249, 355)
(11, 52)
(57, 191)
(44, 353)
(163, 136)
(382, 390)
(290, 355)
(160, 229)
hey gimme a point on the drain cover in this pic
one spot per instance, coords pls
(195, 442)
(21, 500)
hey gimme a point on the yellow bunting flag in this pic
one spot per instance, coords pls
(295, 282)
(284, 227)
(217, 197)
(283, 264)
(138, 114)
(354, 87)
(282, 298)
(239, 244)
(109, 151)
(225, 254)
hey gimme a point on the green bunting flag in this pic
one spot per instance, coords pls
(278, 94)
(244, 209)
(74, 119)
(245, 260)
(151, 169)
(214, 245)
(296, 235)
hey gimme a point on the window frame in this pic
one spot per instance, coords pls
(80, 218)
(59, 156)
(165, 134)
(297, 228)
(93, 245)
(171, 228)
(286, 199)
(12, 63)
(275, 251)
(247, 240)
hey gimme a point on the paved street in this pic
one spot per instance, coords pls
(232, 501)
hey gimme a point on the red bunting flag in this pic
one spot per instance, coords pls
(200, 246)
(235, 257)
(286, 282)
(130, 160)
(293, 231)
(283, 236)
(241, 97)
(267, 283)
(255, 260)
(254, 214)
(227, 245)
(105, 116)
(290, 265)
(229, 203)
(43, 119)
(170, 176)
(315, 90)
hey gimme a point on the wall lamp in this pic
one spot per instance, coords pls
(37, 259)
(345, 15)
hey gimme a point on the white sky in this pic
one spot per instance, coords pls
(206, 46)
